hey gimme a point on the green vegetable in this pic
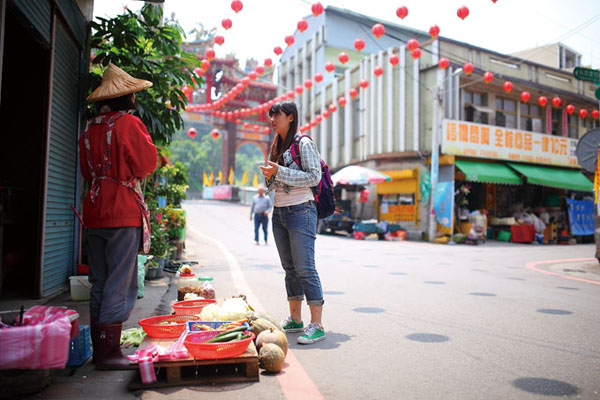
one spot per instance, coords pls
(226, 338)
(239, 329)
(245, 336)
(133, 336)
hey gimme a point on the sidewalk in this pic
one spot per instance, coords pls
(587, 269)
(85, 381)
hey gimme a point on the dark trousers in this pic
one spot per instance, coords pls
(112, 254)
(258, 220)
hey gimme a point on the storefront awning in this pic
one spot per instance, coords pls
(488, 173)
(561, 178)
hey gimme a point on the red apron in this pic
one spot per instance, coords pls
(102, 174)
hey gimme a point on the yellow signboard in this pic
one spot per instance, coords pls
(469, 139)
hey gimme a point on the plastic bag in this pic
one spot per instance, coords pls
(141, 261)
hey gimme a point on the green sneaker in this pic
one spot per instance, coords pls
(289, 325)
(312, 334)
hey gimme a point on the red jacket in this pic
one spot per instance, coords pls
(133, 155)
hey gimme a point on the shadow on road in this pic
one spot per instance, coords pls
(332, 341)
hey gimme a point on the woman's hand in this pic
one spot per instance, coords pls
(270, 170)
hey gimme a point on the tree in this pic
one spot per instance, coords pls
(197, 156)
(147, 49)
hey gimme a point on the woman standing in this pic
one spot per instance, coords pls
(116, 154)
(295, 220)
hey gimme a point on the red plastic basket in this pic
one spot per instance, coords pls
(194, 343)
(153, 329)
(191, 307)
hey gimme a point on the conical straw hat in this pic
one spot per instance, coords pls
(116, 83)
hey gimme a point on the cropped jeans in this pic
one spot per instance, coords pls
(295, 231)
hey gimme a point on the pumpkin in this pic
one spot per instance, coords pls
(257, 314)
(271, 358)
(260, 325)
(272, 336)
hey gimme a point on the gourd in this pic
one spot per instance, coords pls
(272, 336)
(259, 325)
(258, 314)
(271, 358)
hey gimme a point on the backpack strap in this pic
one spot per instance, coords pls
(295, 149)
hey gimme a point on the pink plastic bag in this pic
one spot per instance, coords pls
(42, 342)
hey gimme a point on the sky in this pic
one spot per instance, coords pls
(505, 26)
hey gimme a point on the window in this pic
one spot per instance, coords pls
(531, 119)
(355, 117)
(573, 126)
(475, 107)
(506, 113)
(557, 122)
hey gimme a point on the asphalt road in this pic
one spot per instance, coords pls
(414, 320)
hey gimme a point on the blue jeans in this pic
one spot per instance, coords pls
(261, 219)
(295, 231)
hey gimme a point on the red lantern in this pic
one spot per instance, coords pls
(268, 62)
(318, 119)
(378, 30)
(299, 89)
(209, 54)
(302, 25)
(226, 23)
(219, 40)
(313, 124)
(238, 121)
(443, 63)
(317, 9)
(570, 109)
(542, 101)
(277, 50)
(236, 5)
(359, 44)
(416, 53)
(402, 12)
(318, 77)
(488, 77)
(583, 113)
(595, 114)
(266, 131)
(332, 108)
(308, 84)
(291, 95)
(326, 114)
(197, 71)
(192, 132)
(343, 58)
(412, 44)
(378, 70)
(353, 92)
(342, 101)
(246, 125)
(205, 64)
(329, 66)
(394, 59)
(256, 128)
(260, 69)
(525, 96)
(230, 115)
(251, 76)
(556, 101)
(289, 40)
(468, 68)
(236, 113)
(463, 12)
(508, 86)
(364, 196)
(214, 134)
(434, 31)
(363, 83)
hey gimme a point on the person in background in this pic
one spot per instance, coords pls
(117, 153)
(261, 206)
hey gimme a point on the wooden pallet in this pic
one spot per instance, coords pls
(190, 371)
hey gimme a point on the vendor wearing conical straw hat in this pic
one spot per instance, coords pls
(116, 154)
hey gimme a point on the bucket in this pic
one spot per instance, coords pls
(80, 288)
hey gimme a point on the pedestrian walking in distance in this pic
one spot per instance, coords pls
(295, 220)
(261, 206)
(116, 155)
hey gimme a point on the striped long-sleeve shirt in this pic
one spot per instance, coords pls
(293, 185)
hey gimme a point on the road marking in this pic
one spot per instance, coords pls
(533, 266)
(294, 381)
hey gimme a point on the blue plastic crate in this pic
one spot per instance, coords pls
(80, 348)
(212, 324)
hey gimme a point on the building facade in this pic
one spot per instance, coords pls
(395, 123)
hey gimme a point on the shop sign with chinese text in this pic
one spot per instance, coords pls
(469, 139)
